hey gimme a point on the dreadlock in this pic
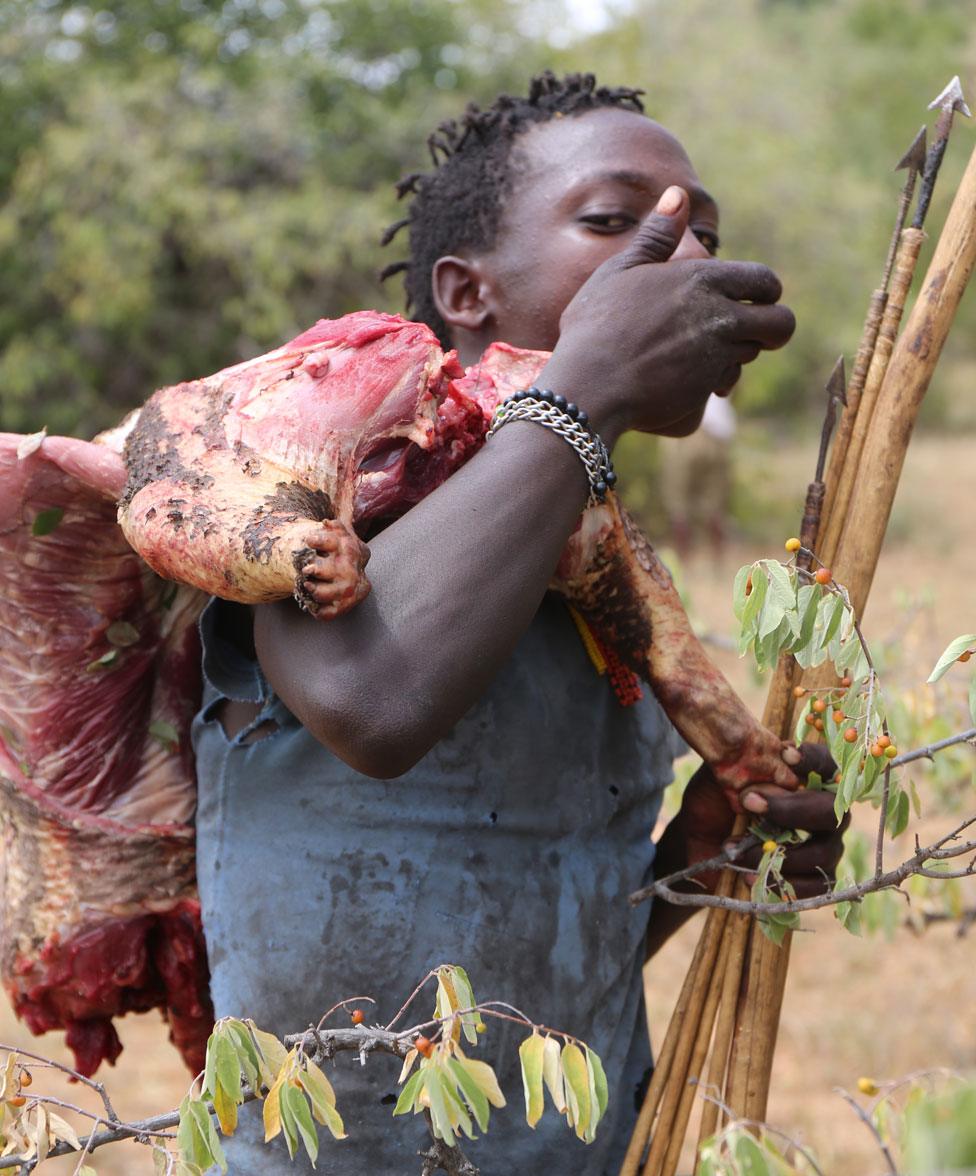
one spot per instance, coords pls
(458, 204)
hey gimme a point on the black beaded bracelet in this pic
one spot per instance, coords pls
(555, 412)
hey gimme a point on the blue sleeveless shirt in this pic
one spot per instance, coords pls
(510, 849)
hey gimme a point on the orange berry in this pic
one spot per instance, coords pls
(748, 585)
(964, 657)
(850, 735)
(811, 718)
(799, 691)
(891, 751)
(818, 724)
(839, 717)
(357, 1016)
(819, 705)
(793, 544)
(424, 1046)
(26, 1078)
(846, 681)
(837, 777)
(822, 575)
(18, 1100)
(884, 740)
(877, 750)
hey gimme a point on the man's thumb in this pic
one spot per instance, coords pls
(661, 230)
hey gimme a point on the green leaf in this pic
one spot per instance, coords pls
(247, 1053)
(272, 1053)
(289, 1127)
(297, 1108)
(553, 1075)
(409, 1094)
(530, 1055)
(470, 1022)
(46, 521)
(228, 1070)
(577, 1084)
(834, 612)
(848, 914)
(439, 1115)
(951, 655)
(165, 733)
(485, 1078)
(739, 597)
(472, 1093)
(808, 606)
(899, 810)
(599, 1084)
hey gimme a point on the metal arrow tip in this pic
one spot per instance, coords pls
(836, 387)
(952, 98)
(914, 157)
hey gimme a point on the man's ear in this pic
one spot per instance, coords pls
(460, 293)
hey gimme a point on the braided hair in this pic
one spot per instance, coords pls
(458, 204)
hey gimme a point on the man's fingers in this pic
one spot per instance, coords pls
(660, 232)
(815, 757)
(743, 281)
(805, 808)
(768, 327)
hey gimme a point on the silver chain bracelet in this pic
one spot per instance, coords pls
(555, 412)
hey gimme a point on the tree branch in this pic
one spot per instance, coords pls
(916, 864)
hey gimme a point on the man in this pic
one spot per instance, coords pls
(439, 776)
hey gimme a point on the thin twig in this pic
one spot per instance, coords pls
(99, 1089)
(928, 751)
(866, 1120)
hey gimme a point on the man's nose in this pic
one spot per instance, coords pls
(689, 247)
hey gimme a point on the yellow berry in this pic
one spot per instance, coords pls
(770, 846)
(793, 544)
(867, 1086)
(891, 751)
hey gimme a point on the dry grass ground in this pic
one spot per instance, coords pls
(853, 1006)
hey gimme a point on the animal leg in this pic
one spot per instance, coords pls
(611, 573)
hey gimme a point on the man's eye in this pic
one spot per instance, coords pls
(708, 239)
(608, 222)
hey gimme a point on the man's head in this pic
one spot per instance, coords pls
(526, 199)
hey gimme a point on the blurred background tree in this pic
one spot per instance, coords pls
(184, 183)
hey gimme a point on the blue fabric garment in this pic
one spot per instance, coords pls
(509, 849)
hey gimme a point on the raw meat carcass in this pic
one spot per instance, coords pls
(237, 482)
(233, 484)
(99, 678)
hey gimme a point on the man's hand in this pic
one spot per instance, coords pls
(704, 824)
(643, 344)
(706, 821)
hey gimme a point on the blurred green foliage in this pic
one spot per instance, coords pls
(185, 183)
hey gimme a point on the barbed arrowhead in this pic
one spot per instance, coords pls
(836, 387)
(914, 157)
(952, 98)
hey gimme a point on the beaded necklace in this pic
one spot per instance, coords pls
(625, 683)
